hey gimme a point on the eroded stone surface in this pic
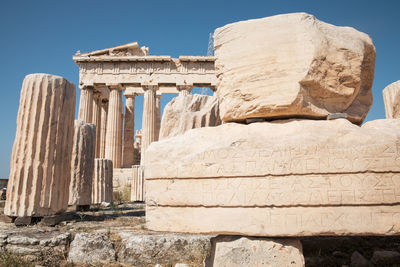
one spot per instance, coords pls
(82, 164)
(298, 177)
(40, 165)
(143, 249)
(91, 248)
(247, 251)
(391, 98)
(102, 186)
(293, 65)
(187, 112)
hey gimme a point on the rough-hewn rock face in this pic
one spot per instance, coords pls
(291, 66)
(247, 251)
(102, 187)
(91, 248)
(391, 97)
(143, 249)
(40, 165)
(187, 112)
(287, 178)
(82, 163)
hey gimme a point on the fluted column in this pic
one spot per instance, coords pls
(40, 165)
(129, 132)
(113, 150)
(158, 116)
(184, 89)
(103, 128)
(86, 104)
(149, 118)
(96, 119)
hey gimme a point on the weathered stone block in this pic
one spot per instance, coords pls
(187, 112)
(137, 185)
(145, 249)
(246, 251)
(91, 248)
(82, 163)
(391, 98)
(291, 66)
(287, 178)
(40, 165)
(102, 187)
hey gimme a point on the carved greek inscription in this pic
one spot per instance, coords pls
(294, 190)
(340, 218)
(292, 160)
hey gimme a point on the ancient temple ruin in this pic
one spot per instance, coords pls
(128, 70)
(105, 75)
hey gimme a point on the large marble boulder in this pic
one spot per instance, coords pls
(391, 97)
(291, 66)
(281, 178)
(187, 112)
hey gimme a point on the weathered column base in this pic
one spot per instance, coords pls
(251, 251)
(137, 184)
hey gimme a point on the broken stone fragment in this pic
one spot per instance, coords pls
(291, 66)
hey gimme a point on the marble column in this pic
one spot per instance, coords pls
(113, 148)
(86, 104)
(96, 119)
(129, 132)
(149, 118)
(158, 116)
(103, 128)
(184, 89)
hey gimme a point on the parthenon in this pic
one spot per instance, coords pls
(105, 74)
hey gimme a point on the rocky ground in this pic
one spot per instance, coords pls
(116, 236)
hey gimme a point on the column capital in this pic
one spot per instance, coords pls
(159, 94)
(131, 95)
(149, 87)
(186, 87)
(115, 86)
(86, 87)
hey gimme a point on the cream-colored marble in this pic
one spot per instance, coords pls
(102, 187)
(103, 128)
(82, 164)
(291, 66)
(158, 116)
(86, 104)
(391, 98)
(40, 165)
(137, 184)
(293, 177)
(231, 251)
(96, 119)
(187, 112)
(149, 119)
(113, 146)
(129, 132)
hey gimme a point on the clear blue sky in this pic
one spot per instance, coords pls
(41, 36)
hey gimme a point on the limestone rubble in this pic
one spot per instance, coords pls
(41, 157)
(293, 65)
